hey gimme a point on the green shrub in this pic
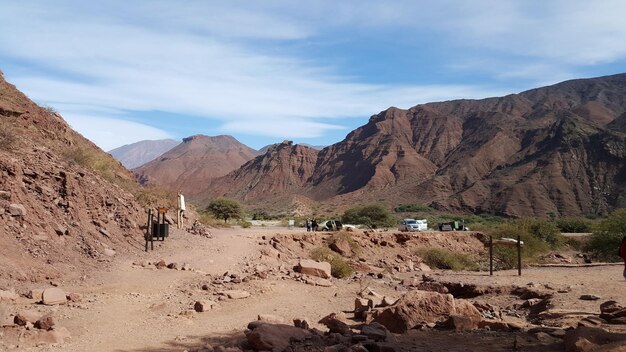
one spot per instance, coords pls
(338, 266)
(445, 259)
(573, 225)
(374, 216)
(244, 223)
(605, 240)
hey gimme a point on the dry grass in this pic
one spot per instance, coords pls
(338, 266)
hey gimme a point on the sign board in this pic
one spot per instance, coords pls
(292, 222)
(181, 202)
(162, 210)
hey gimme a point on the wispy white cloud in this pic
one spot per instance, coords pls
(109, 133)
(222, 60)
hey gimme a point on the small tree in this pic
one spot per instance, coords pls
(371, 215)
(606, 239)
(224, 208)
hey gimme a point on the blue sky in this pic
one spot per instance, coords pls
(311, 71)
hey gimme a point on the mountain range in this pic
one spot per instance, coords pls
(556, 150)
(136, 154)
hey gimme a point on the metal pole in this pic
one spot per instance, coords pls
(490, 255)
(151, 230)
(519, 256)
(148, 228)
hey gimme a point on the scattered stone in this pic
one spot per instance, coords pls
(172, 266)
(59, 229)
(74, 297)
(314, 268)
(235, 294)
(17, 210)
(8, 296)
(109, 252)
(104, 232)
(270, 318)
(377, 332)
(36, 294)
(53, 296)
(5, 195)
(609, 307)
(336, 323)
(45, 323)
(583, 339)
(301, 323)
(590, 297)
(161, 264)
(269, 337)
(203, 306)
(461, 323)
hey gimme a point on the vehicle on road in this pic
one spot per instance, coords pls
(413, 225)
(453, 226)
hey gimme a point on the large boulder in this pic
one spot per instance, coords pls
(424, 307)
(314, 268)
(583, 339)
(275, 337)
(53, 296)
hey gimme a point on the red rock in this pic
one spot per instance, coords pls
(268, 337)
(203, 306)
(314, 268)
(45, 323)
(342, 246)
(54, 295)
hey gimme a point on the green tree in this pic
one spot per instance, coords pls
(605, 240)
(373, 216)
(223, 208)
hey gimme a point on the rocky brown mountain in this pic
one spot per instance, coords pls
(280, 175)
(65, 205)
(554, 150)
(190, 165)
(136, 154)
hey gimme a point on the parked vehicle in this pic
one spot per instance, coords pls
(413, 225)
(330, 225)
(453, 226)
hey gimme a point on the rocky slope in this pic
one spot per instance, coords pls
(189, 166)
(559, 149)
(136, 154)
(63, 208)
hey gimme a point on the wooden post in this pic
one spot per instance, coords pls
(490, 255)
(149, 232)
(519, 256)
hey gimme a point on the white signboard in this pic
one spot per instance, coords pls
(181, 202)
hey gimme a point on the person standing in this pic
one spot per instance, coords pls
(308, 225)
(622, 253)
(314, 225)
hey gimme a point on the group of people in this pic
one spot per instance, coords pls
(311, 225)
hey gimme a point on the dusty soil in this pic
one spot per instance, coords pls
(130, 307)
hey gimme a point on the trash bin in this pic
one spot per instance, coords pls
(160, 230)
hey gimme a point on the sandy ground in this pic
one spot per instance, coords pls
(130, 308)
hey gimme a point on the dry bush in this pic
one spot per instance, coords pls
(338, 266)
(445, 259)
(8, 137)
